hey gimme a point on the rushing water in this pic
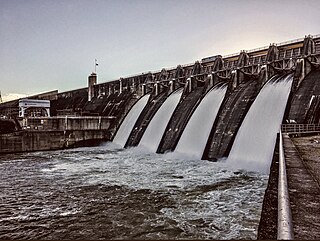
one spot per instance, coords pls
(193, 139)
(124, 131)
(154, 132)
(107, 192)
(254, 144)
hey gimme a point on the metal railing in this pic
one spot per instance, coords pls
(300, 128)
(285, 228)
(266, 47)
(224, 57)
(69, 117)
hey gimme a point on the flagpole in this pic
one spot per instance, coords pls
(95, 66)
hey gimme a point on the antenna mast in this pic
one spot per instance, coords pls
(95, 66)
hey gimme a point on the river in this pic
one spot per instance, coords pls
(106, 192)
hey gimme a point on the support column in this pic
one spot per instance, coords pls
(210, 80)
(265, 70)
(133, 88)
(234, 79)
(120, 84)
(144, 89)
(48, 111)
(157, 87)
(21, 111)
(171, 84)
(66, 123)
(109, 89)
(189, 80)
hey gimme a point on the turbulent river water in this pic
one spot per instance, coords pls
(107, 192)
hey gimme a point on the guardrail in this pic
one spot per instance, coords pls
(285, 228)
(300, 128)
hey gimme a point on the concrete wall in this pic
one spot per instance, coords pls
(56, 133)
(32, 140)
(302, 97)
(179, 120)
(67, 123)
(231, 114)
(145, 118)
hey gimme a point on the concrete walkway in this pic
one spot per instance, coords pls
(304, 189)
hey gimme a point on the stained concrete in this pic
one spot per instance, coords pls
(229, 119)
(70, 102)
(269, 213)
(309, 150)
(179, 120)
(35, 140)
(303, 172)
(300, 100)
(120, 111)
(304, 190)
(51, 133)
(145, 117)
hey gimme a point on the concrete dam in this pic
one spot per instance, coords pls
(228, 109)
(199, 109)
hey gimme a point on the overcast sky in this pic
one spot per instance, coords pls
(51, 44)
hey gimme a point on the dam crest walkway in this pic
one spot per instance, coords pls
(302, 162)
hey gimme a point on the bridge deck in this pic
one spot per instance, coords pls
(303, 185)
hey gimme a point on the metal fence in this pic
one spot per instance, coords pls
(300, 128)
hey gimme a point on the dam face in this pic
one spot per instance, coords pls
(196, 132)
(225, 109)
(231, 115)
(245, 80)
(243, 76)
(144, 119)
(125, 128)
(256, 138)
(179, 120)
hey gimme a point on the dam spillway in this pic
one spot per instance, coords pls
(156, 128)
(179, 120)
(255, 141)
(230, 117)
(193, 139)
(144, 119)
(164, 195)
(125, 128)
(244, 74)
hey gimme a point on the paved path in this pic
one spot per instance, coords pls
(304, 189)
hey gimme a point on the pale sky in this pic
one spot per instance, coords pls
(51, 44)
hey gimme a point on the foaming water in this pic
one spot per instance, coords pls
(196, 132)
(123, 133)
(107, 192)
(254, 144)
(154, 132)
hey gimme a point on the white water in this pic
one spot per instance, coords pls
(197, 131)
(254, 144)
(206, 200)
(154, 132)
(128, 123)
